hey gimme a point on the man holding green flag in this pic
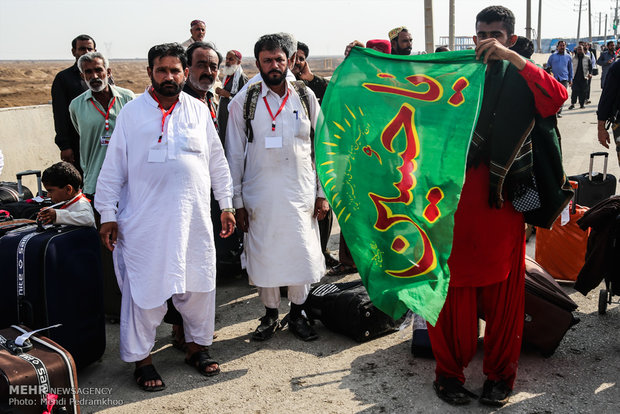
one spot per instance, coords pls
(487, 263)
(414, 130)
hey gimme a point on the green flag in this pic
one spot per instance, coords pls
(391, 147)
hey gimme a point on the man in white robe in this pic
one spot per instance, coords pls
(163, 158)
(276, 191)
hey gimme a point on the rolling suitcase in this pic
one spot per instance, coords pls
(23, 206)
(561, 250)
(548, 314)
(54, 276)
(9, 193)
(548, 310)
(594, 187)
(36, 375)
(14, 192)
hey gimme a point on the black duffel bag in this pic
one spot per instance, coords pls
(346, 308)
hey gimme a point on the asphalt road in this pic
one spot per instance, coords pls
(338, 375)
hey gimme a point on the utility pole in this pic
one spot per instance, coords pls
(528, 20)
(451, 28)
(579, 21)
(616, 23)
(605, 28)
(590, 20)
(538, 39)
(600, 17)
(428, 26)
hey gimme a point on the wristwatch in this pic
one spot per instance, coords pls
(228, 210)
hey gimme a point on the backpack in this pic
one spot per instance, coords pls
(251, 99)
(346, 308)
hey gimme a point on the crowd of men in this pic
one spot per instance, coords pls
(153, 163)
(575, 70)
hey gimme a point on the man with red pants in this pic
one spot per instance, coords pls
(487, 264)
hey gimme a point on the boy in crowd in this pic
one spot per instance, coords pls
(62, 182)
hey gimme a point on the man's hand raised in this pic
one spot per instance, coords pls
(493, 49)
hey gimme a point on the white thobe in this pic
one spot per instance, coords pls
(278, 188)
(165, 236)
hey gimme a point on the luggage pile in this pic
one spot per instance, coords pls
(50, 275)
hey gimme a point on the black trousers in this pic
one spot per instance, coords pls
(580, 91)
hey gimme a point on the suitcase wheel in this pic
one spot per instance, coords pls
(603, 298)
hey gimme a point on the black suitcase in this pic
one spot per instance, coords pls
(594, 187)
(23, 206)
(36, 376)
(548, 310)
(54, 276)
(11, 192)
(346, 308)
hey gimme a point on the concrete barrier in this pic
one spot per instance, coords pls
(27, 141)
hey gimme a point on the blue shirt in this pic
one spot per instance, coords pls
(561, 66)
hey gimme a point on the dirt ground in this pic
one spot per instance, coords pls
(25, 83)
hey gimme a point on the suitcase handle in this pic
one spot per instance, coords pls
(573, 202)
(598, 154)
(20, 188)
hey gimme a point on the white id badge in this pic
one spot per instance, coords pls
(104, 140)
(157, 155)
(273, 142)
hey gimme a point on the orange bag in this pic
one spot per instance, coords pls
(561, 251)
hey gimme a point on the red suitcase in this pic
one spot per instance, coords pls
(37, 375)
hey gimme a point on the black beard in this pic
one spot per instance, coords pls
(402, 52)
(273, 82)
(161, 88)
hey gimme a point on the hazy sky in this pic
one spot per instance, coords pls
(43, 29)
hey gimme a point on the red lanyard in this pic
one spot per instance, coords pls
(106, 116)
(75, 200)
(228, 78)
(213, 114)
(273, 118)
(164, 113)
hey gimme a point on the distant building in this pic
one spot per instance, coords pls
(460, 42)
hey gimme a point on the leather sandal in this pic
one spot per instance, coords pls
(147, 373)
(201, 360)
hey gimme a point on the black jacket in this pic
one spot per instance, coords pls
(601, 255)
